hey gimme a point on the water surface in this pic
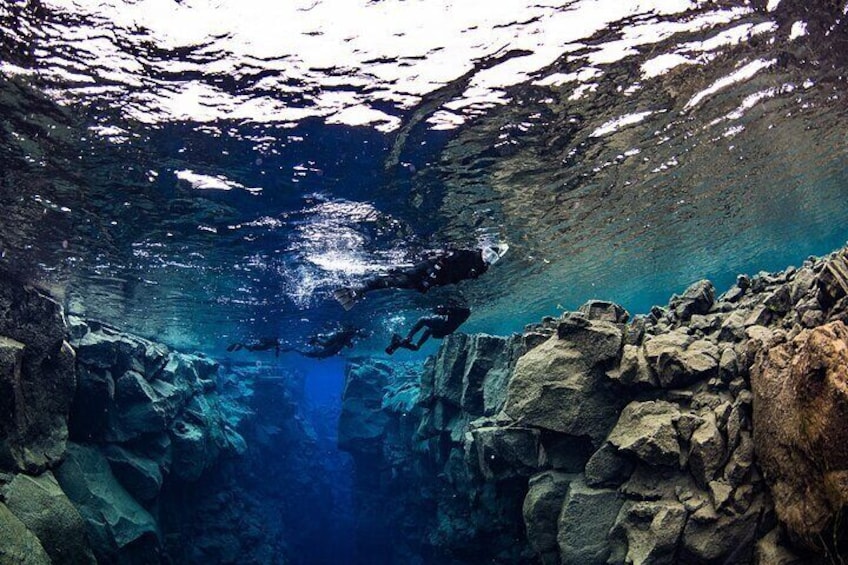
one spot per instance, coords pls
(204, 172)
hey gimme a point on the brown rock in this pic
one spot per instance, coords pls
(801, 428)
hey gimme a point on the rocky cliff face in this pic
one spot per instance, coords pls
(99, 432)
(710, 431)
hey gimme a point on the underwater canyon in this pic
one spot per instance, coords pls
(218, 219)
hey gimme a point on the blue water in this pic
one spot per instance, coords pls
(207, 173)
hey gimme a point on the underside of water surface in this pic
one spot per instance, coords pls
(184, 185)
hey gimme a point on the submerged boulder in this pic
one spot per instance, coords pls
(647, 430)
(697, 299)
(114, 520)
(487, 369)
(505, 452)
(678, 359)
(557, 387)
(801, 429)
(545, 495)
(37, 390)
(584, 524)
(47, 512)
(650, 531)
(142, 477)
(18, 545)
(36, 378)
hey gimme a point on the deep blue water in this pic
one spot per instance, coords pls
(207, 172)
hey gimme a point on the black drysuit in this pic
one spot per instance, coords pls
(452, 267)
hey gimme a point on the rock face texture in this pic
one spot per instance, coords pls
(94, 423)
(801, 409)
(37, 379)
(712, 430)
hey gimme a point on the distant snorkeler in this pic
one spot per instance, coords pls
(445, 320)
(447, 267)
(329, 344)
(263, 344)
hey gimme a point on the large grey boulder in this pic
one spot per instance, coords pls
(707, 452)
(18, 545)
(634, 369)
(584, 524)
(142, 477)
(114, 519)
(36, 380)
(449, 368)
(545, 495)
(608, 467)
(555, 386)
(47, 512)
(647, 430)
(36, 390)
(488, 365)
(193, 373)
(104, 347)
(650, 531)
(137, 409)
(199, 436)
(678, 359)
(599, 342)
(697, 299)
(726, 537)
(606, 311)
(506, 452)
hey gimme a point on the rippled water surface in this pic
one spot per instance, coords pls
(201, 171)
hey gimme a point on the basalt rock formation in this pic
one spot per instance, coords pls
(712, 430)
(94, 423)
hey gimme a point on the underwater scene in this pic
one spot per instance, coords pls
(377, 282)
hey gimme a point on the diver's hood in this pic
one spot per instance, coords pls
(491, 253)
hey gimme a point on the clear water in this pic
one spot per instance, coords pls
(206, 172)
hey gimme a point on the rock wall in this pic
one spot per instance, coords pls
(94, 425)
(711, 430)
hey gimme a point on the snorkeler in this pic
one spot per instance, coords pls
(330, 344)
(264, 344)
(445, 321)
(449, 267)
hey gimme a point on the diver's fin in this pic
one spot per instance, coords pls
(231, 346)
(396, 341)
(347, 297)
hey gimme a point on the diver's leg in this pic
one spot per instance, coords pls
(392, 279)
(416, 346)
(418, 325)
(398, 341)
(347, 297)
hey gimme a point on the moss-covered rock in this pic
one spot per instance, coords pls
(18, 545)
(44, 508)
